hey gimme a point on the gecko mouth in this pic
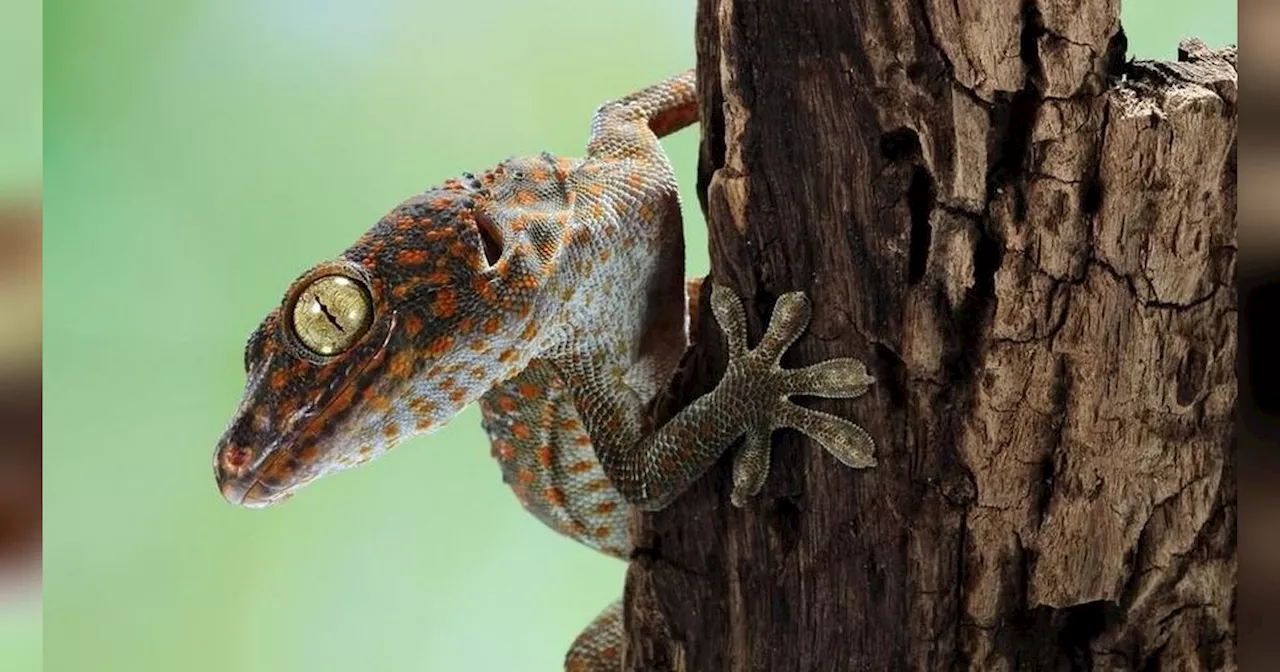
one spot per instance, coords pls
(280, 472)
(253, 493)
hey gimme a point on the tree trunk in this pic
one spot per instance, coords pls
(1031, 243)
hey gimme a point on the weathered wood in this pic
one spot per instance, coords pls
(1032, 245)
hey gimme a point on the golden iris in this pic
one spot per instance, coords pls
(331, 314)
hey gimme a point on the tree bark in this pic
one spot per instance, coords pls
(1031, 243)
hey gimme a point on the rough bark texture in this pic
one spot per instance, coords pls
(1032, 245)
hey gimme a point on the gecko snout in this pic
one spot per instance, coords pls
(239, 484)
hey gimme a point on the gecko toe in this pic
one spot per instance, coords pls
(846, 441)
(839, 378)
(732, 318)
(790, 317)
(750, 467)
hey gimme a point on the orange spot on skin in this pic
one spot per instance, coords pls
(520, 430)
(529, 391)
(483, 289)
(570, 424)
(595, 189)
(602, 532)
(423, 424)
(401, 365)
(391, 431)
(440, 277)
(445, 303)
(538, 175)
(457, 395)
(545, 456)
(606, 507)
(422, 405)
(507, 356)
(411, 257)
(491, 326)
(379, 403)
(507, 404)
(525, 476)
(583, 440)
(440, 346)
(554, 495)
(580, 467)
(525, 198)
(365, 450)
(412, 325)
(597, 485)
(609, 653)
(504, 451)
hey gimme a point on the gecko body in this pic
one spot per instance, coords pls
(551, 291)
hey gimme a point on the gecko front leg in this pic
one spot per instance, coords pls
(651, 468)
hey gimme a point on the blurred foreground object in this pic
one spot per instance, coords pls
(1259, 280)
(20, 388)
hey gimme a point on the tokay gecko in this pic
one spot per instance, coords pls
(551, 290)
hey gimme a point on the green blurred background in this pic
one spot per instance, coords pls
(199, 155)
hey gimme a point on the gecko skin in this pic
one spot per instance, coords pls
(550, 290)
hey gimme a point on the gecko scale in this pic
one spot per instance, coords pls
(552, 291)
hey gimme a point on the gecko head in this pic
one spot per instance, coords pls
(389, 341)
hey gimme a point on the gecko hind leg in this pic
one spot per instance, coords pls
(841, 377)
(599, 647)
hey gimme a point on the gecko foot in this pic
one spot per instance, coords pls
(758, 377)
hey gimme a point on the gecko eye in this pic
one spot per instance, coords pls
(331, 314)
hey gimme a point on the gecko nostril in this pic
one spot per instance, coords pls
(234, 458)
